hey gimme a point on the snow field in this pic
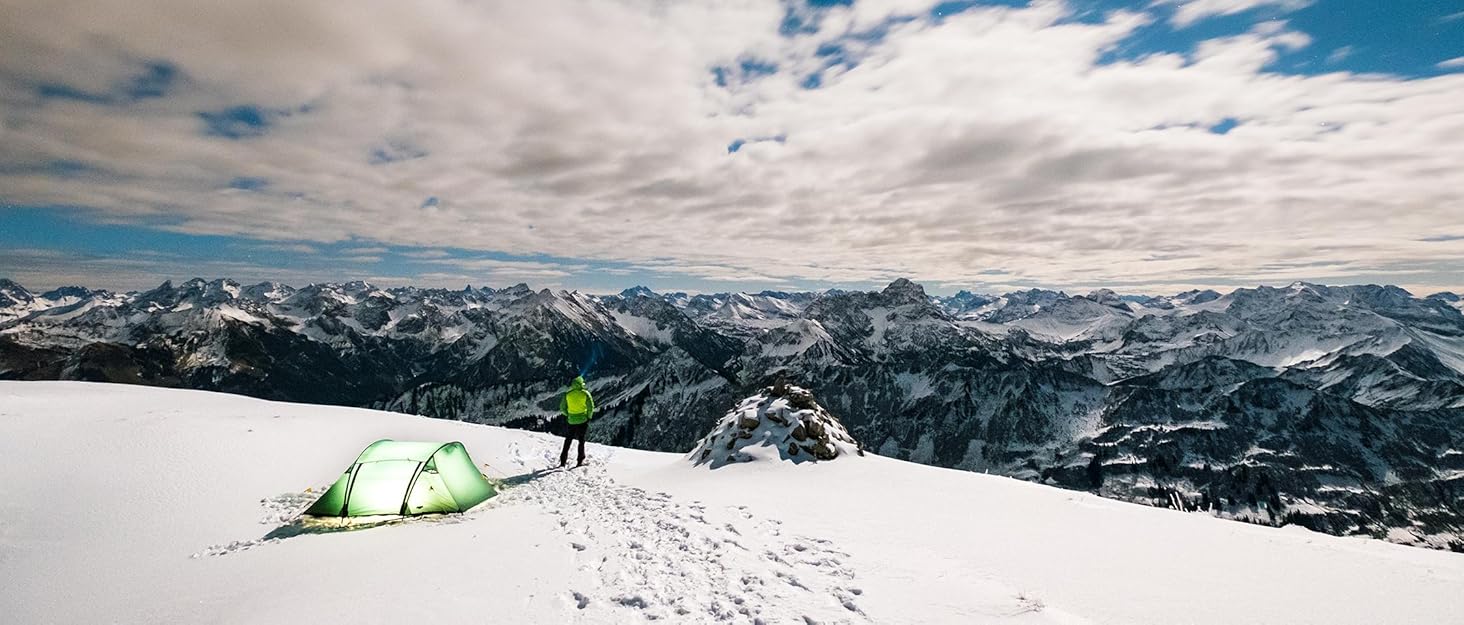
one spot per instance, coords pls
(124, 504)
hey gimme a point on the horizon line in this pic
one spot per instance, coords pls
(375, 283)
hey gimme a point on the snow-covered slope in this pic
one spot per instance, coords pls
(137, 505)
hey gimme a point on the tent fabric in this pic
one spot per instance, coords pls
(406, 478)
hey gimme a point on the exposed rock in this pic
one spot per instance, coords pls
(825, 450)
(802, 400)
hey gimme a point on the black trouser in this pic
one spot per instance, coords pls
(575, 432)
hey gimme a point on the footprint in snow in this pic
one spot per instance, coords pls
(665, 560)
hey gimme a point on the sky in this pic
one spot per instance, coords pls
(1147, 147)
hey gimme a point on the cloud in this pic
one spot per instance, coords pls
(40, 269)
(992, 137)
(1188, 12)
(295, 248)
(500, 270)
(1454, 63)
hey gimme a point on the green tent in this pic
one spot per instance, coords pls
(406, 478)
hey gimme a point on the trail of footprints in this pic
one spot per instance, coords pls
(667, 561)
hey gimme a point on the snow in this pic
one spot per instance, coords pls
(1063, 329)
(1450, 350)
(916, 385)
(879, 323)
(485, 345)
(645, 328)
(126, 504)
(1171, 427)
(796, 338)
(574, 306)
(1299, 356)
(233, 312)
(754, 310)
(63, 314)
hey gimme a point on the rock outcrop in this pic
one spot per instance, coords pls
(782, 422)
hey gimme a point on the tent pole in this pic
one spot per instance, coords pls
(413, 483)
(346, 502)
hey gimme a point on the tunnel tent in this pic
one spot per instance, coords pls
(405, 478)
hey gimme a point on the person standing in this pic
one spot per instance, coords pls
(577, 406)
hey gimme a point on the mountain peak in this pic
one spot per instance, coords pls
(12, 293)
(904, 291)
(66, 291)
(518, 290)
(638, 291)
(1195, 296)
(1104, 296)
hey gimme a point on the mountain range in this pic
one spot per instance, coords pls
(1339, 408)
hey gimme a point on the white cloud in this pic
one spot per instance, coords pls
(359, 259)
(1454, 63)
(296, 248)
(1339, 55)
(365, 251)
(1188, 12)
(597, 132)
(500, 271)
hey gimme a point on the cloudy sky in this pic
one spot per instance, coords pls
(1145, 146)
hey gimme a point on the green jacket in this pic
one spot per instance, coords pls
(577, 405)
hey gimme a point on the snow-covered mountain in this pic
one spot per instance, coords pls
(17, 301)
(735, 312)
(1448, 298)
(1338, 408)
(141, 505)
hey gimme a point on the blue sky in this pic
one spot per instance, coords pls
(1148, 147)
